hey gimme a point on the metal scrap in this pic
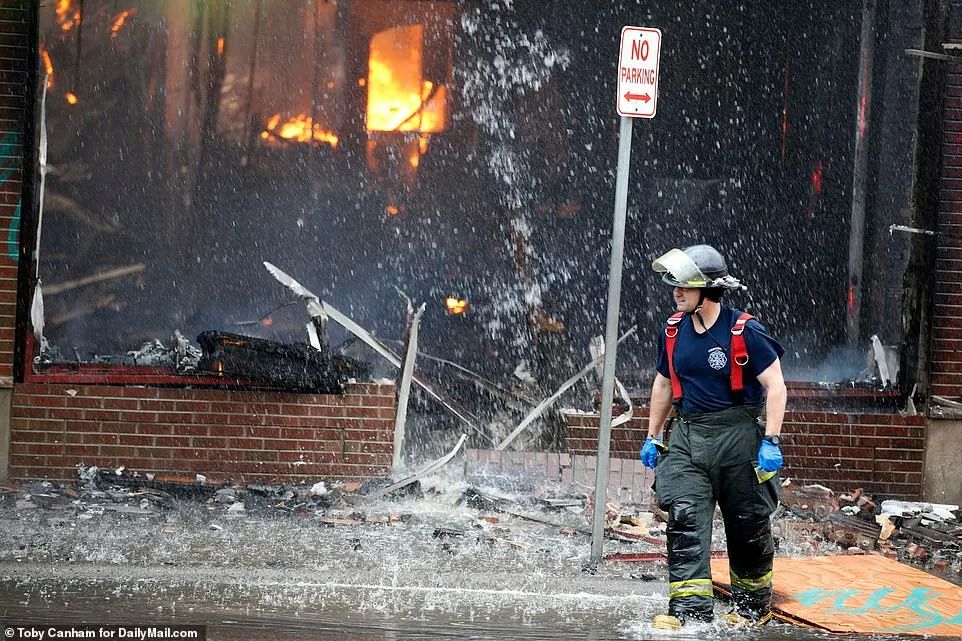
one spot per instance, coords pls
(546, 403)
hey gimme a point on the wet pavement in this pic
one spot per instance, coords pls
(250, 577)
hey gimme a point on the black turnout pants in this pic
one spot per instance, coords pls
(712, 457)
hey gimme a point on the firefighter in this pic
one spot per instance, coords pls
(720, 370)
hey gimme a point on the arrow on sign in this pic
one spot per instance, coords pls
(637, 96)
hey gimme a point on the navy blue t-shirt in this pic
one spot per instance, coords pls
(703, 362)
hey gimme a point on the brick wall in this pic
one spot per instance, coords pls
(16, 20)
(882, 453)
(243, 436)
(946, 348)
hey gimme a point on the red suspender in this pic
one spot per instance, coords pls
(671, 331)
(739, 352)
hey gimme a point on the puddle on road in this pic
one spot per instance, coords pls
(262, 609)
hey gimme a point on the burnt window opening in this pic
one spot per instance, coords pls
(464, 153)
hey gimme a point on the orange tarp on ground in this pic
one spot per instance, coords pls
(860, 594)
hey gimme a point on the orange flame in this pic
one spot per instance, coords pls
(220, 46)
(67, 16)
(456, 306)
(47, 65)
(119, 21)
(298, 129)
(398, 98)
(71, 98)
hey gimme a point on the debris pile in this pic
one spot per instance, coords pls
(811, 519)
(924, 534)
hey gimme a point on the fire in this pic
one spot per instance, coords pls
(456, 306)
(414, 156)
(47, 65)
(119, 21)
(220, 46)
(68, 17)
(298, 129)
(398, 97)
(71, 98)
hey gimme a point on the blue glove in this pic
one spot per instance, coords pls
(769, 457)
(649, 452)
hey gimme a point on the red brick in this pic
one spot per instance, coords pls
(119, 403)
(27, 436)
(326, 411)
(179, 418)
(89, 452)
(139, 426)
(118, 451)
(191, 406)
(298, 433)
(151, 405)
(378, 448)
(107, 439)
(309, 457)
(31, 400)
(130, 392)
(77, 402)
(365, 412)
(898, 455)
(898, 466)
(31, 412)
(234, 443)
(138, 417)
(209, 443)
(188, 454)
(228, 430)
(154, 428)
(264, 432)
(154, 453)
(102, 415)
(203, 395)
(850, 464)
(947, 367)
(858, 452)
(243, 419)
(35, 448)
(47, 424)
(252, 455)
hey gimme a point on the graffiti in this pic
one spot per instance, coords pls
(916, 602)
(10, 159)
(13, 234)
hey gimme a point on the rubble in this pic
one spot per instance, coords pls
(521, 515)
(920, 533)
(809, 501)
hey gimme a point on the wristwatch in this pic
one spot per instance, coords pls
(774, 439)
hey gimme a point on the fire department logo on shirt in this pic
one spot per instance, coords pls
(717, 358)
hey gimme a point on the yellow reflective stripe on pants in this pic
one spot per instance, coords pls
(691, 587)
(752, 585)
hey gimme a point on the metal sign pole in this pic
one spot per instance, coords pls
(611, 341)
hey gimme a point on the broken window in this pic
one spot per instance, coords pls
(464, 153)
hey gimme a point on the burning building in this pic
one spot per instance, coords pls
(437, 147)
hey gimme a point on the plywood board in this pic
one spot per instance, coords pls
(860, 594)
